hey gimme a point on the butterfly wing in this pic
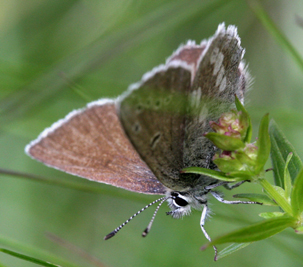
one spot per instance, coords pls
(164, 117)
(91, 143)
(201, 81)
(219, 76)
(153, 115)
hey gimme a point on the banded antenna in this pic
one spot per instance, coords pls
(147, 229)
(145, 232)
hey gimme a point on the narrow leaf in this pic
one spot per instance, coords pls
(280, 191)
(297, 195)
(269, 215)
(280, 149)
(25, 249)
(279, 198)
(231, 249)
(240, 107)
(263, 144)
(277, 161)
(257, 198)
(28, 258)
(287, 179)
(256, 232)
(211, 173)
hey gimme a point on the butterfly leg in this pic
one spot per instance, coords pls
(221, 199)
(212, 186)
(225, 184)
(202, 222)
(230, 187)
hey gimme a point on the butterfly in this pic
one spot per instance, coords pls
(142, 140)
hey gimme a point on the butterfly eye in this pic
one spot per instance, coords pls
(180, 201)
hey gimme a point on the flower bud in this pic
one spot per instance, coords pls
(235, 154)
(233, 123)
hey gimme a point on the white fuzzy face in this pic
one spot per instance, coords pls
(181, 203)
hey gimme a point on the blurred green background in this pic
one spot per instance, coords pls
(55, 56)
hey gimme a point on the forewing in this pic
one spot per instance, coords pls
(91, 143)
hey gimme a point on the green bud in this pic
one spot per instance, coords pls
(235, 161)
(227, 162)
(236, 157)
(225, 142)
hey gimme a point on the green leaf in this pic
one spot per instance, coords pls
(297, 195)
(263, 144)
(244, 159)
(240, 107)
(225, 142)
(256, 232)
(28, 258)
(280, 149)
(231, 249)
(287, 179)
(257, 198)
(280, 191)
(211, 173)
(269, 215)
(277, 195)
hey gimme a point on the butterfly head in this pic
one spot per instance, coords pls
(181, 203)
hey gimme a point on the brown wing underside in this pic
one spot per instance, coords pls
(93, 145)
(164, 117)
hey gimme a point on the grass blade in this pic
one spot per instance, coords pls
(269, 24)
(28, 258)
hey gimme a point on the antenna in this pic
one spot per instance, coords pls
(162, 199)
(147, 229)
